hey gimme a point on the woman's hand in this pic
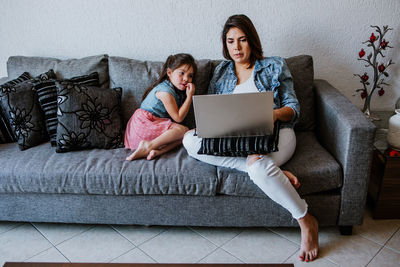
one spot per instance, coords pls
(283, 114)
(190, 88)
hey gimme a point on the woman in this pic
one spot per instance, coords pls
(245, 71)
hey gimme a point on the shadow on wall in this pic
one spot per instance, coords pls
(329, 62)
(335, 66)
(395, 56)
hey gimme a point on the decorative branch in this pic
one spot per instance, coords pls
(378, 44)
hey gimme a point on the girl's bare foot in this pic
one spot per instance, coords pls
(309, 238)
(153, 153)
(141, 152)
(292, 178)
(163, 149)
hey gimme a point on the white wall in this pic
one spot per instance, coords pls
(330, 31)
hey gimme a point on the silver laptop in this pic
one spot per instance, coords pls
(233, 115)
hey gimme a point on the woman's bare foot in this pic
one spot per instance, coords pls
(292, 178)
(141, 152)
(309, 238)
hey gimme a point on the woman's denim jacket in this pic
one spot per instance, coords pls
(270, 74)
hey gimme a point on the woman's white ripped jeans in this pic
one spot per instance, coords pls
(264, 171)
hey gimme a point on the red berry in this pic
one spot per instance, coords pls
(372, 38)
(361, 53)
(363, 94)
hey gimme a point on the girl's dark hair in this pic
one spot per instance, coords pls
(173, 62)
(243, 23)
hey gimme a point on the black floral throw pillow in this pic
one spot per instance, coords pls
(21, 108)
(88, 117)
(47, 93)
(6, 130)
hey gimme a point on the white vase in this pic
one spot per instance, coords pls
(393, 136)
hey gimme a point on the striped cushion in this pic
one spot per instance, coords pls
(241, 146)
(47, 93)
(6, 132)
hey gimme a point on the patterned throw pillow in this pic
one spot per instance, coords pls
(89, 117)
(47, 93)
(6, 132)
(21, 107)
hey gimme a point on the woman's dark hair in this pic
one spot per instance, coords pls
(173, 62)
(245, 25)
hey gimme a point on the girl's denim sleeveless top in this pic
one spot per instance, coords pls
(155, 106)
(270, 74)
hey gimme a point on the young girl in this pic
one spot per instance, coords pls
(150, 131)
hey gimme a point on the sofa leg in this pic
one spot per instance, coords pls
(346, 230)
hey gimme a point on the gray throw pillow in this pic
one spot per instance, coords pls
(89, 117)
(21, 107)
(47, 93)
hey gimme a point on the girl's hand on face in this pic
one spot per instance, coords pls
(190, 89)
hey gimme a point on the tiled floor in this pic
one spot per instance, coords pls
(375, 243)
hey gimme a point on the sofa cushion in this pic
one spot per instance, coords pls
(88, 117)
(315, 168)
(106, 172)
(47, 93)
(135, 76)
(64, 69)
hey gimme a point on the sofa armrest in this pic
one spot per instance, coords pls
(348, 135)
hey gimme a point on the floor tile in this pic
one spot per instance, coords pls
(99, 244)
(135, 255)
(220, 256)
(351, 250)
(139, 234)
(316, 263)
(291, 233)
(7, 226)
(21, 243)
(178, 244)
(50, 255)
(385, 257)
(378, 231)
(394, 242)
(218, 236)
(260, 246)
(58, 232)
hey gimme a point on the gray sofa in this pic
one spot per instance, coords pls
(97, 186)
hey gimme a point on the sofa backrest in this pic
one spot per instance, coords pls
(64, 69)
(302, 70)
(135, 76)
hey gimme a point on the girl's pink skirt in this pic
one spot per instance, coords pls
(144, 126)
